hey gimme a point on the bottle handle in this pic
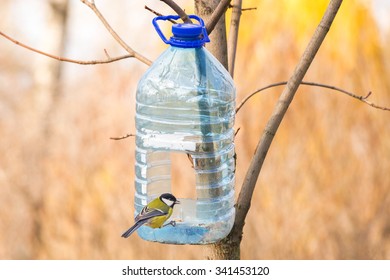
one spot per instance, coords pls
(205, 38)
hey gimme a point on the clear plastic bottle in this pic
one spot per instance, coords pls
(185, 103)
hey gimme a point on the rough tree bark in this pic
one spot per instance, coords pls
(218, 44)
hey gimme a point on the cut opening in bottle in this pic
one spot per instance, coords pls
(182, 175)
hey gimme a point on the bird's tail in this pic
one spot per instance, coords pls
(128, 232)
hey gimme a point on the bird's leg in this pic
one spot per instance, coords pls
(172, 223)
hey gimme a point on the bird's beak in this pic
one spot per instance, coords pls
(177, 202)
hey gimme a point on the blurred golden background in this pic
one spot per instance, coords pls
(66, 189)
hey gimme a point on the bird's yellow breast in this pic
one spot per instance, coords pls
(157, 222)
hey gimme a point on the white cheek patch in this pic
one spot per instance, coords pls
(167, 201)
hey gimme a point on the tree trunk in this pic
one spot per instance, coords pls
(227, 248)
(47, 72)
(218, 44)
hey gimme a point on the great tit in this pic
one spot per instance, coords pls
(154, 214)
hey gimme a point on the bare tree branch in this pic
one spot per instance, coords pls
(248, 9)
(218, 12)
(158, 14)
(358, 97)
(60, 58)
(243, 9)
(184, 17)
(233, 34)
(237, 130)
(244, 199)
(90, 4)
(133, 53)
(123, 137)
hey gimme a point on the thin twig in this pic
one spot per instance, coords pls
(191, 160)
(133, 53)
(106, 52)
(358, 97)
(158, 14)
(257, 91)
(184, 17)
(243, 9)
(123, 137)
(248, 9)
(64, 59)
(237, 130)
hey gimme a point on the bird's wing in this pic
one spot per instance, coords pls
(128, 232)
(147, 213)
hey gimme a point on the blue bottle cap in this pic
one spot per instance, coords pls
(185, 35)
(187, 30)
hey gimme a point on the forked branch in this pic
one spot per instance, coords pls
(280, 110)
(245, 196)
(133, 53)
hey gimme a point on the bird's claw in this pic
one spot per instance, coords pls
(172, 223)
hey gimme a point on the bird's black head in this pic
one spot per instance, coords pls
(169, 199)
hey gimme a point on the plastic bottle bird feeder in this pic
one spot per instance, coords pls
(185, 103)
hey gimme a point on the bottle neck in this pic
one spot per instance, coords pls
(182, 42)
